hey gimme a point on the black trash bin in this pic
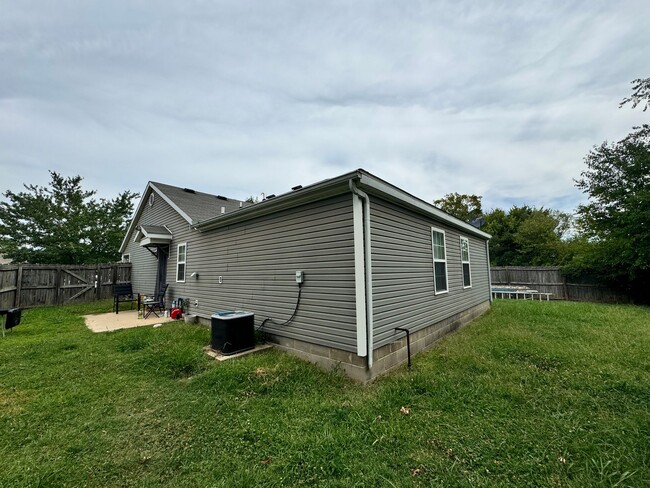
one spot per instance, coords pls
(233, 332)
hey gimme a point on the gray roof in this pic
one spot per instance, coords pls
(155, 229)
(198, 206)
(336, 186)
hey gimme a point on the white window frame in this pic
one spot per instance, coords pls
(126, 258)
(179, 262)
(463, 262)
(438, 260)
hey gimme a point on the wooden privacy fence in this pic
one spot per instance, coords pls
(34, 285)
(547, 279)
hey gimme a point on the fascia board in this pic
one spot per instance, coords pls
(389, 192)
(148, 241)
(159, 236)
(135, 218)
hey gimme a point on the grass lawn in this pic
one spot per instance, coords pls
(534, 394)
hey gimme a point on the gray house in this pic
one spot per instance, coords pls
(374, 258)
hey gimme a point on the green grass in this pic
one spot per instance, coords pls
(532, 394)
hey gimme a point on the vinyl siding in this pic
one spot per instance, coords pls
(257, 261)
(402, 271)
(144, 264)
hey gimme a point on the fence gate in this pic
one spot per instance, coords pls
(32, 285)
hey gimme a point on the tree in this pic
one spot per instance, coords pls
(617, 216)
(62, 223)
(640, 93)
(527, 236)
(462, 206)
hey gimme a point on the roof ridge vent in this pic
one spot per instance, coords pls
(221, 197)
(188, 190)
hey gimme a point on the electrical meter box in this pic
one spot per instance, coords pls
(233, 332)
(300, 276)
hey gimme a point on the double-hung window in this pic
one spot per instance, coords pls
(181, 259)
(439, 261)
(464, 257)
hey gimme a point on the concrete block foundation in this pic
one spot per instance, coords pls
(385, 358)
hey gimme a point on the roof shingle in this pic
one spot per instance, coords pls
(197, 205)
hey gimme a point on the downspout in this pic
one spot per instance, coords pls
(487, 252)
(367, 262)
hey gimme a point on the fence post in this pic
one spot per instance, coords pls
(19, 286)
(57, 297)
(98, 282)
(565, 287)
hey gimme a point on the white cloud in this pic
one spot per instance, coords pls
(240, 98)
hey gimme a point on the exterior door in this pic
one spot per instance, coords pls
(161, 275)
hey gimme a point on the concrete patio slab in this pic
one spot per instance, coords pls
(106, 322)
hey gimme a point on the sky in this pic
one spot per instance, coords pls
(239, 98)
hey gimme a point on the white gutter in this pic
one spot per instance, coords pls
(487, 252)
(363, 272)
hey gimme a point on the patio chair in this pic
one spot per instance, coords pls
(156, 302)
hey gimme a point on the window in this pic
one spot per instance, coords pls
(181, 257)
(126, 258)
(439, 261)
(464, 257)
(152, 197)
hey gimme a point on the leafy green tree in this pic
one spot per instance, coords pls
(62, 223)
(617, 215)
(462, 206)
(527, 236)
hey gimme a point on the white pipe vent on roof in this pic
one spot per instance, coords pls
(223, 210)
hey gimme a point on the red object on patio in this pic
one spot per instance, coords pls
(177, 313)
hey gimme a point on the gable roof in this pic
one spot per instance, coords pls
(193, 206)
(336, 186)
(203, 210)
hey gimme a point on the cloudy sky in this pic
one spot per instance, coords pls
(500, 99)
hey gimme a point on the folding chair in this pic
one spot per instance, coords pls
(157, 302)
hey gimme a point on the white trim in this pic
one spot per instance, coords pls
(153, 240)
(126, 257)
(463, 262)
(433, 256)
(360, 277)
(142, 205)
(392, 192)
(171, 204)
(178, 262)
